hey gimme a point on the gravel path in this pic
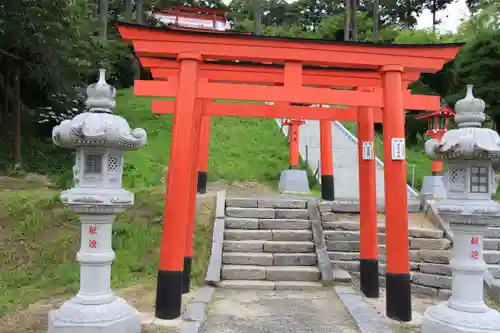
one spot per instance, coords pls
(250, 311)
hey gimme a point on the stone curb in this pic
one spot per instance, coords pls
(367, 320)
(215, 262)
(329, 273)
(492, 286)
(220, 204)
(191, 319)
(194, 315)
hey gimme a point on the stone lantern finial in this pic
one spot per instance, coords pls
(469, 110)
(101, 96)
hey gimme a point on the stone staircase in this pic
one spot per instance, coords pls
(430, 253)
(268, 244)
(426, 247)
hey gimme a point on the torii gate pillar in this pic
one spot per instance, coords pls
(398, 285)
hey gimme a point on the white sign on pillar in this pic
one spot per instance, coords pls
(367, 150)
(398, 149)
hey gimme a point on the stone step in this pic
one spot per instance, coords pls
(248, 258)
(414, 243)
(294, 259)
(269, 259)
(492, 232)
(443, 257)
(291, 224)
(270, 285)
(243, 246)
(267, 213)
(266, 224)
(352, 226)
(276, 235)
(491, 244)
(263, 213)
(272, 273)
(289, 247)
(440, 293)
(353, 266)
(445, 269)
(266, 203)
(432, 280)
(268, 246)
(239, 235)
(350, 256)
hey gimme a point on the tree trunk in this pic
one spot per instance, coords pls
(6, 99)
(434, 16)
(128, 10)
(139, 17)
(347, 23)
(17, 117)
(103, 18)
(257, 15)
(376, 20)
(354, 24)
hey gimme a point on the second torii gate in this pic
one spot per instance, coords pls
(190, 88)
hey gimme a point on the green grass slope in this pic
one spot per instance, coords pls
(250, 149)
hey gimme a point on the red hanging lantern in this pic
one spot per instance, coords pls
(436, 128)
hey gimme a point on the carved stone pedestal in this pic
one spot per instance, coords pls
(116, 316)
(465, 311)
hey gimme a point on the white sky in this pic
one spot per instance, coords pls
(451, 17)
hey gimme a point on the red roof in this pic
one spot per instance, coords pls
(444, 111)
(187, 9)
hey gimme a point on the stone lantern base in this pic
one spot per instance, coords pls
(294, 181)
(433, 188)
(113, 317)
(443, 319)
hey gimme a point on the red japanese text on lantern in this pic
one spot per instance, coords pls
(474, 241)
(474, 254)
(92, 230)
(92, 244)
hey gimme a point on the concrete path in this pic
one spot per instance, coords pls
(252, 311)
(345, 158)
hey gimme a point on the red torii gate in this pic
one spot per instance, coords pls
(190, 88)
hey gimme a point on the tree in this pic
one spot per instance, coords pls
(434, 6)
(479, 64)
(376, 20)
(257, 14)
(103, 18)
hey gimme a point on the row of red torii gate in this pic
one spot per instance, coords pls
(196, 68)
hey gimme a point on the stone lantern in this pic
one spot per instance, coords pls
(470, 151)
(100, 139)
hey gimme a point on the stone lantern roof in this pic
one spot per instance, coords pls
(469, 140)
(99, 127)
